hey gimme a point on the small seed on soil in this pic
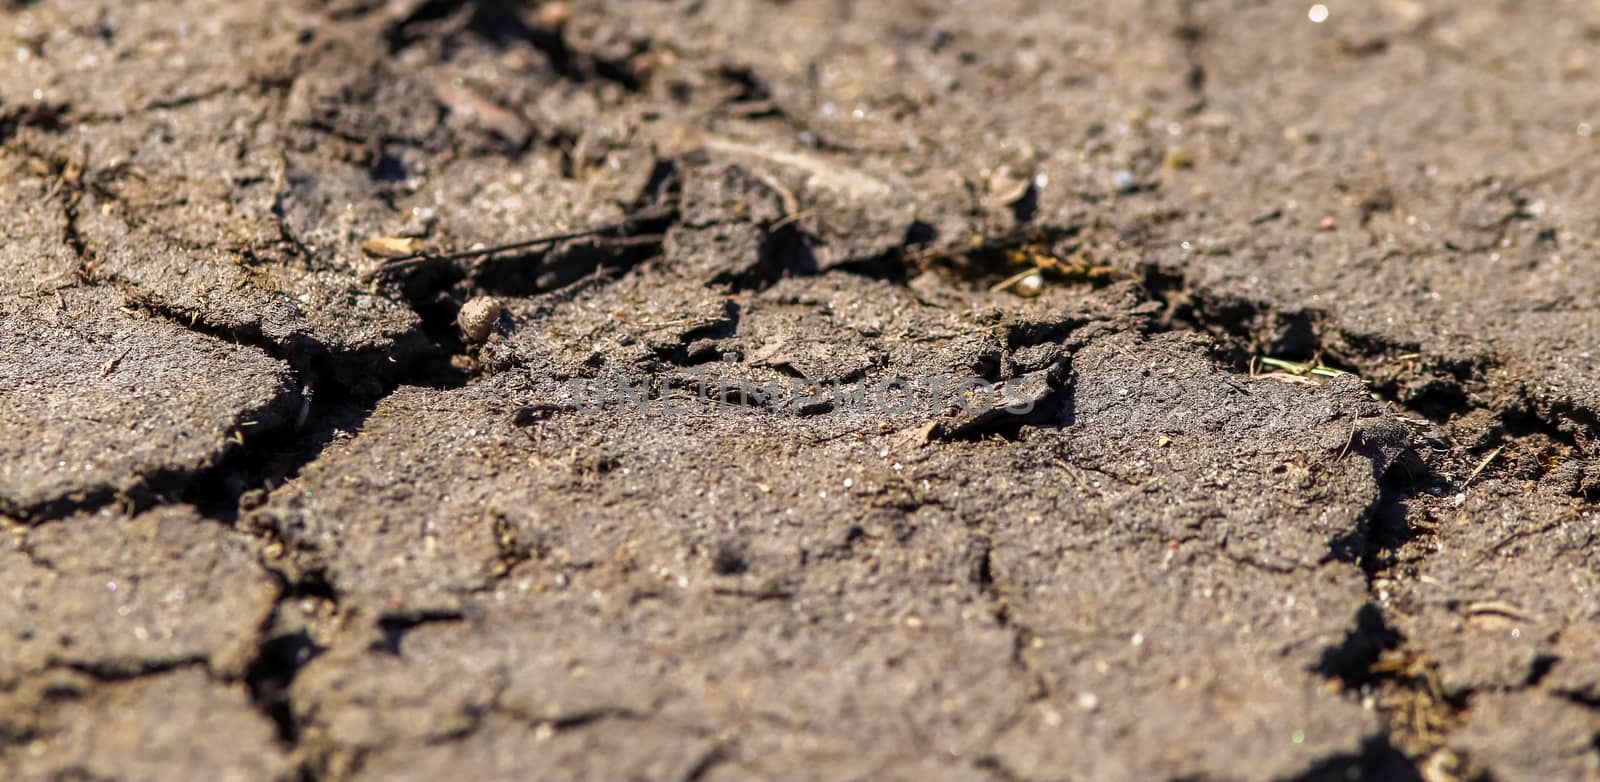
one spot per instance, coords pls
(1006, 187)
(390, 246)
(478, 317)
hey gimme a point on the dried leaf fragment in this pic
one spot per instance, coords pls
(391, 246)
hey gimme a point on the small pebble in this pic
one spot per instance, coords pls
(478, 318)
(553, 15)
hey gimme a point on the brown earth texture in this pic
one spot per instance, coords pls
(504, 389)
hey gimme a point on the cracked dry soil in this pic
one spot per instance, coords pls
(268, 514)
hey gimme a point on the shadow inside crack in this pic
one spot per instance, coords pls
(394, 626)
(269, 676)
(1351, 661)
(1389, 525)
(496, 20)
(505, 22)
(240, 482)
(1043, 398)
(1377, 759)
(607, 251)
